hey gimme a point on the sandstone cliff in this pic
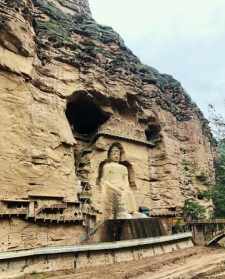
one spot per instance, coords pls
(70, 88)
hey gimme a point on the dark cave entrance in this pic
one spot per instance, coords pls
(153, 131)
(84, 114)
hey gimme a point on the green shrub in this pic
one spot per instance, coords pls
(206, 195)
(193, 210)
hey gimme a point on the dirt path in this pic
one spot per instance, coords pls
(195, 263)
(193, 267)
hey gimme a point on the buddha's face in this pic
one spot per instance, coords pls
(115, 154)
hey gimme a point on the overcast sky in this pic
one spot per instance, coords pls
(183, 38)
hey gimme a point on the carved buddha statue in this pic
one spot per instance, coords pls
(115, 183)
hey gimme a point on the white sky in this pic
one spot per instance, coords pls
(185, 38)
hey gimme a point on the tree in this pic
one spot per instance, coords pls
(218, 127)
(219, 190)
(193, 210)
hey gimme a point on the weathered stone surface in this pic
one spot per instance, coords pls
(70, 89)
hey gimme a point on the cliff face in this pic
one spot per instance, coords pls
(70, 89)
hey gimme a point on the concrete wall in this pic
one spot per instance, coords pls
(14, 264)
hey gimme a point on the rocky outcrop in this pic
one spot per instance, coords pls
(70, 89)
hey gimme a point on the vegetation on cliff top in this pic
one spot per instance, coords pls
(96, 40)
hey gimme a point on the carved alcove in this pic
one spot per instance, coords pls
(151, 125)
(85, 114)
(122, 161)
(99, 126)
(116, 182)
(153, 129)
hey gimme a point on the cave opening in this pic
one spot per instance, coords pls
(152, 132)
(84, 115)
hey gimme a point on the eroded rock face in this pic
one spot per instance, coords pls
(70, 89)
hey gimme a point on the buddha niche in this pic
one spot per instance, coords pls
(115, 186)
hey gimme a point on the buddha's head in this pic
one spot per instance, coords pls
(115, 154)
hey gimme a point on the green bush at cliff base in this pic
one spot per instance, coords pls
(193, 210)
(219, 190)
